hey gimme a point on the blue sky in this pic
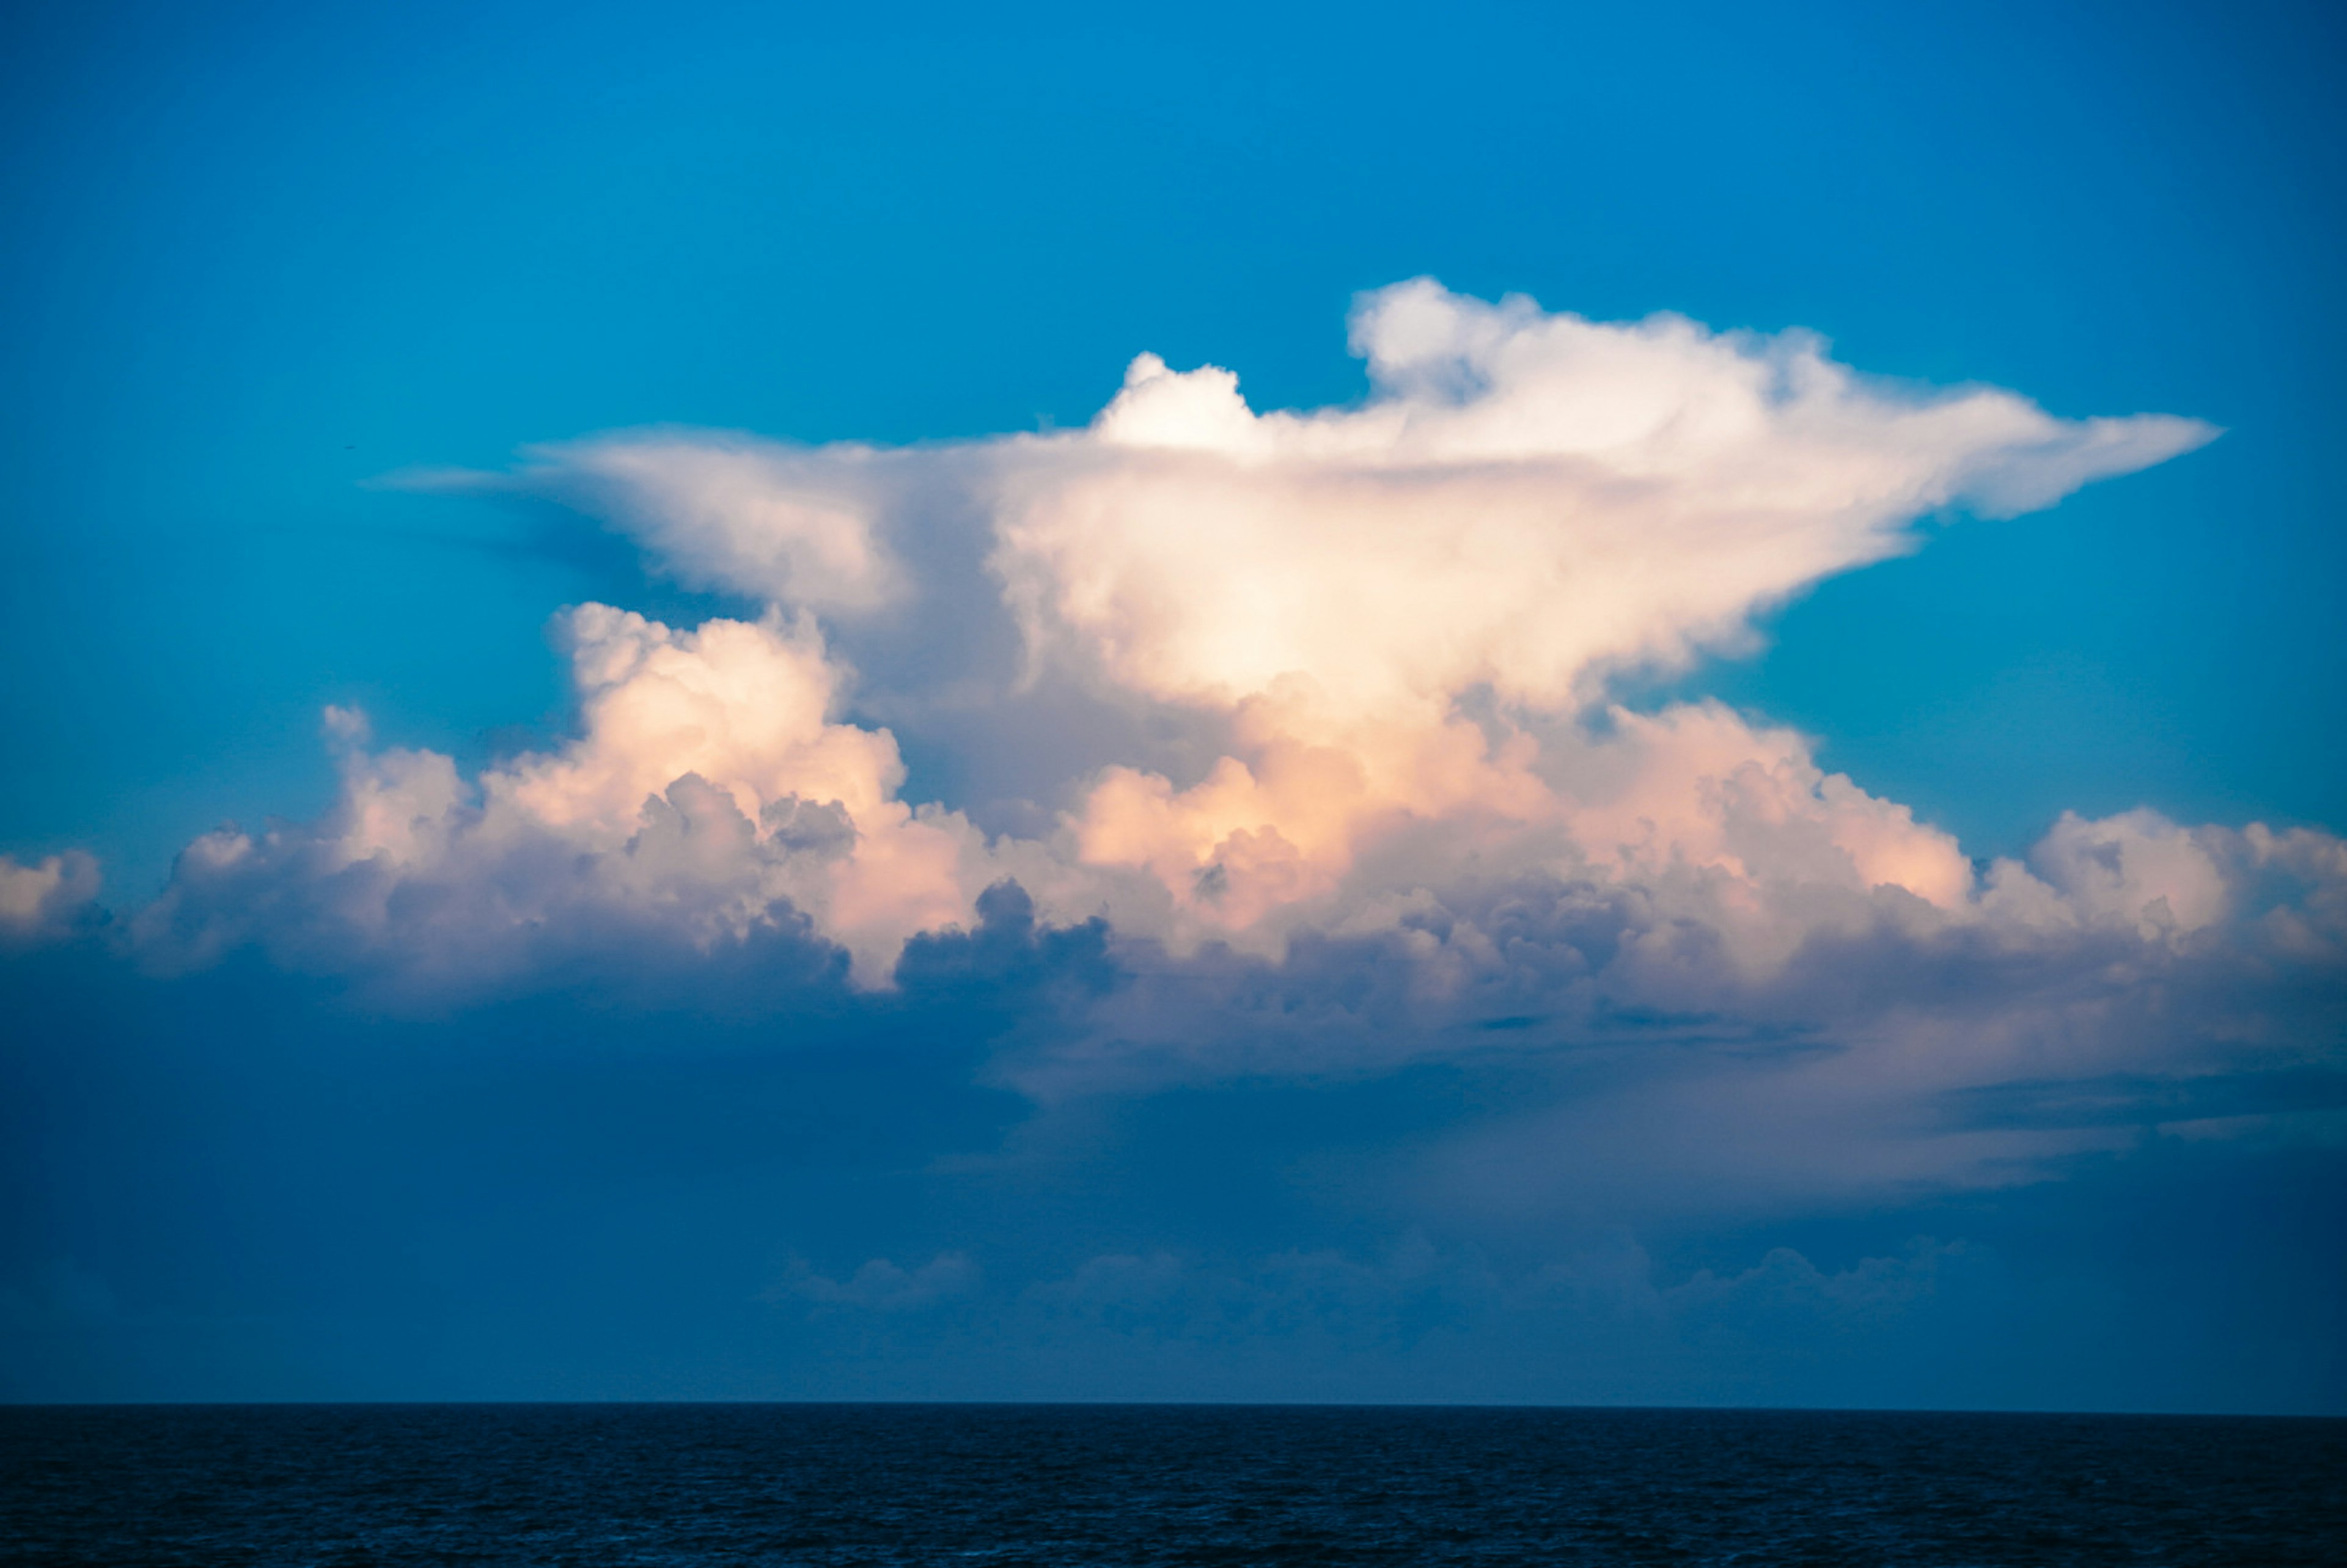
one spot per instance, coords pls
(270, 263)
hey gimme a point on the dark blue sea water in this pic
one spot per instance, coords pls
(991, 1485)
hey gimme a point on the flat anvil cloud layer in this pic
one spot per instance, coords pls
(1383, 635)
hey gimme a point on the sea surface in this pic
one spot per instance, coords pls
(1004, 1485)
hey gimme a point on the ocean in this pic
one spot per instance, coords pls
(1064, 1484)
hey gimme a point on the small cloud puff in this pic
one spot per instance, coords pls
(880, 1286)
(48, 900)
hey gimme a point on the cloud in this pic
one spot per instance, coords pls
(708, 795)
(1526, 501)
(1311, 711)
(1670, 1046)
(1526, 505)
(880, 1286)
(47, 900)
(1601, 1324)
(780, 523)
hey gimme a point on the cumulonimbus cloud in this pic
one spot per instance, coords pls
(1526, 504)
(1388, 630)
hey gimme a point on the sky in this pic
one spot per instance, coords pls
(1554, 705)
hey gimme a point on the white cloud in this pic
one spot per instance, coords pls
(1363, 786)
(2139, 870)
(1527, 502)
(783, 523)
(710, 791)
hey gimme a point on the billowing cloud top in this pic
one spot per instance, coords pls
(1283, 687)
(1526, 501)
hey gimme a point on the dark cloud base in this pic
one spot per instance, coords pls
(753, 1182)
